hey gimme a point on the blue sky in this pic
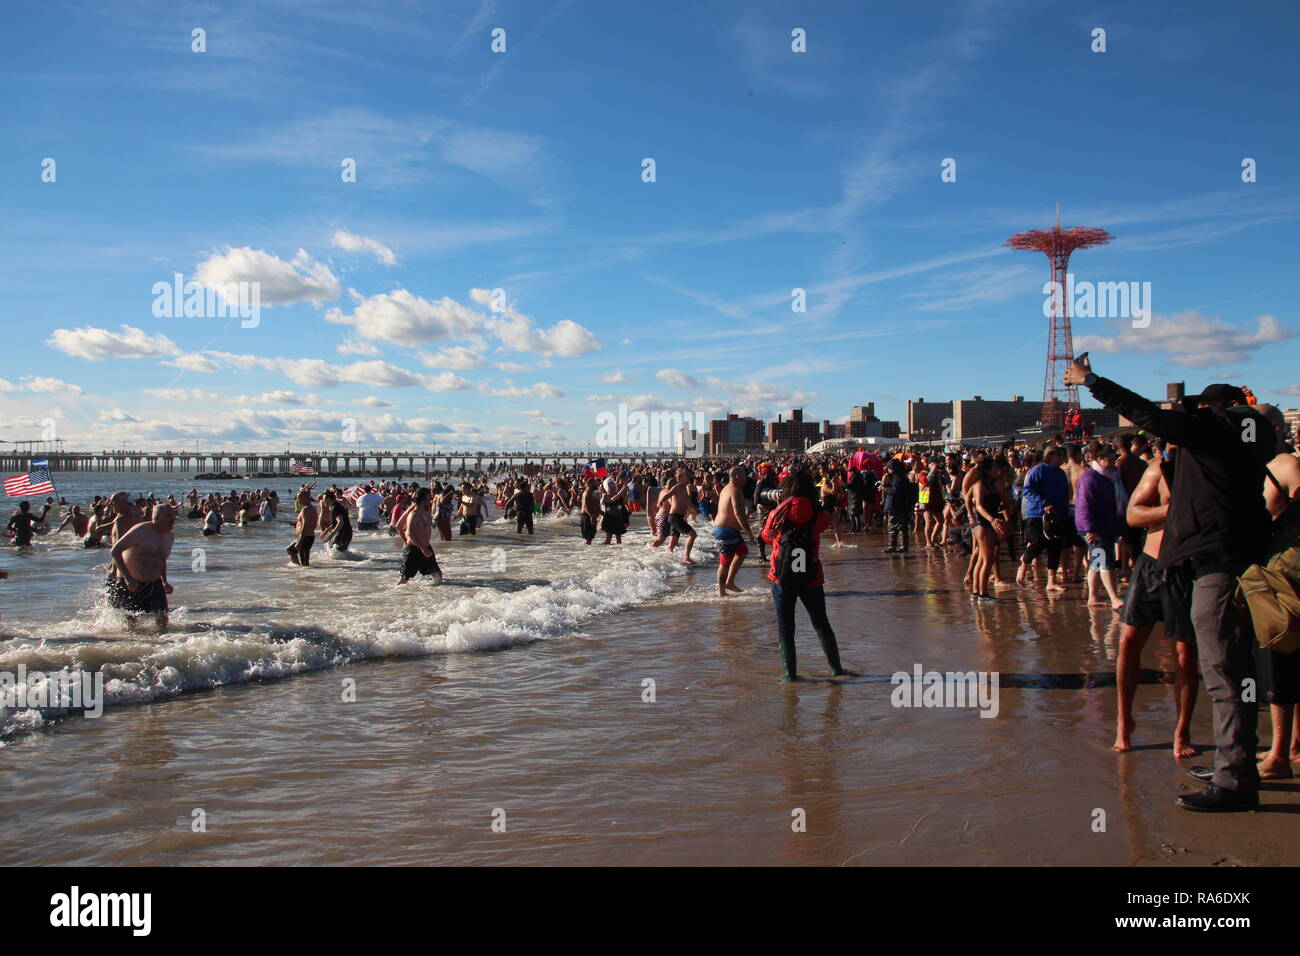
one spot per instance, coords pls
(522, 171)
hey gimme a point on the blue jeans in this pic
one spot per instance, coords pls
(814, 602)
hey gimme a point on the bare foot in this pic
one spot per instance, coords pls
(1123, 742)
(1096, 603)
(1055, 589)
(1002, 584)
(1117, 605)
(687, 561)
(1183, 748)
(732, 587)
(1274, 769)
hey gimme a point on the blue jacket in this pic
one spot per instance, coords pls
(1046, 485)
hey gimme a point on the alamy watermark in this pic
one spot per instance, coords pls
(1100, 300)
(37, 690)
(220, 300)
(975, 689)
(680, 432)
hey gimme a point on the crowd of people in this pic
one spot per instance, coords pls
(1154, 527)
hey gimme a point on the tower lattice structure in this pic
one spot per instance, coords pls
(1059, 399)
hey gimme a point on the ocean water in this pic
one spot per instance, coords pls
(242, 611)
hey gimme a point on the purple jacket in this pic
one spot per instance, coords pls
(1095, 508)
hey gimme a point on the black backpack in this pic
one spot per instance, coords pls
(796, 568)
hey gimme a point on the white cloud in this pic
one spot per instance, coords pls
(676, 379)
(516, 332)
(539, 390)
(456, 356)
(280, 282)
(182, 394)
(97, 344)
(405, 319)
(37, 383)
(343, 239)
(352, 346)
(194, 362)
(1190, 339)
(565, 338)
(278, 397)
(616, 377)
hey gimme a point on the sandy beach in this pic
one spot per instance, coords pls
(556, 734)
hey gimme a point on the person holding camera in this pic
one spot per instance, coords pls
(1217, 526)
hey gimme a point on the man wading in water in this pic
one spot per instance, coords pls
(140, 559)
(731, 521)
(416, 529)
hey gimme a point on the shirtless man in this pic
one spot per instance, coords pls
(304, 527)
(675, 501)
(140, 559)
(122, 517)
(415, 528)
(727, 527)
(1153, 596)
(589, 516)
(79, 520)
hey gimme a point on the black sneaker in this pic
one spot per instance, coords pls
(1214, 799)
(1205, 774)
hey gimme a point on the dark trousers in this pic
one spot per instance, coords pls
(814, 602)
(1225, 644)
(900, 528)
(1038, 542)
(524, 520)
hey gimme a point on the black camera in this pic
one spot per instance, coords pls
(771, 497)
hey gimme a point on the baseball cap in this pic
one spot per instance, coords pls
(1218, 392)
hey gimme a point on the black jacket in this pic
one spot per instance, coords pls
(1217, 499)
(900, 494)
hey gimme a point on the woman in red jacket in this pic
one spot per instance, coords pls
(798, 507)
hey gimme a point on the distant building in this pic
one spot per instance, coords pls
(794, 433)
(735, 435)
(974, 417)
(1292, 416)
(925, 420)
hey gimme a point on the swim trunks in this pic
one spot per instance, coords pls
(1155, 595)
(677, 524)
(728, 539)
(148, 598)
(415, 562)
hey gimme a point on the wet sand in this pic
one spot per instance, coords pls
(557, 735)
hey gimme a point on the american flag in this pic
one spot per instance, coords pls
(302, 466)
(352, 494)
(35, 482)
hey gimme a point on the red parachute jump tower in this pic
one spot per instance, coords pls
(1059, 399)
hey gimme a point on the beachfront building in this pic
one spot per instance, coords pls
(793, 433)
(1292, 416)
(735, 435)
(925, 420)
